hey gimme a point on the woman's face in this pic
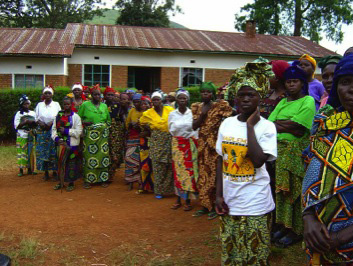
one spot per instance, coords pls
(137, 104)
(327, 76)
(345, 92)
(293, 86)
(124, 99)
(182, 100)
(96, 95)
(206, 96)
(144, 106)
(67, 105)
(247, 100)
(156, 101)
(307, 67)
(48, 95)
(77, 92)
(109, 96)
(26, 105)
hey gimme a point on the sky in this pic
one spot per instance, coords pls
(218, 15)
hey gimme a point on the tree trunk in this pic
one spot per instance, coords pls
(298, 18)
(277, 24)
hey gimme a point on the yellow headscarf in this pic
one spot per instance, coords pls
(309, 58)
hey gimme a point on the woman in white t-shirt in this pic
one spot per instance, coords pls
(24, 122)
(46, 112)
(244, 200)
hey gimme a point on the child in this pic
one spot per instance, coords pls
(24, 121)
(66, 132)
(244, 200)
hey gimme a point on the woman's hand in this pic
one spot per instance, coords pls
(61, 130)
(316, 235)
(221, 206)
(254, 118)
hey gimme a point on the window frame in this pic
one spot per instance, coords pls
(92, 82)
(202, 78)
(25, 82)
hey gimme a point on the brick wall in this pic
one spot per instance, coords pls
(56, 80)
(5, 81)
(119, 76)
(75, 74)
(169, 78)
(218, 76)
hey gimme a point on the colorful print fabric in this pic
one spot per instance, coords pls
(185, 167)
(96, 153)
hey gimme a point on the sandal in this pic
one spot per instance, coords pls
(140, 191)
(57, 187)
(86, 185)
(176, 206)
(20, 174)
(188, 207)
(158, 196)
(212, 215)
(200, 213)
(70, 187)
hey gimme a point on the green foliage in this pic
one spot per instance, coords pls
(47, 13)
(194, 94)
(299, 17)
(10, 99)
(152, 13)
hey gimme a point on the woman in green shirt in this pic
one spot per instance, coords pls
(96, 119)
(293, 118)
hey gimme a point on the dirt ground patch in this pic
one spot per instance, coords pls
(103, 226)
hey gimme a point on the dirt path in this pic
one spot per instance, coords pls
(108, 226)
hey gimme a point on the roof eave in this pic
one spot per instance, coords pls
(34, 55)
(189, 51)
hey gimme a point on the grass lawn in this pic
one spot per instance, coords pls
(8, 159)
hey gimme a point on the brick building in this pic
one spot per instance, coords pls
(141, 57)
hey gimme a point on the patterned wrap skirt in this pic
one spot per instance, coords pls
(23, 158)
(68, 163)
(46, 151)
(185, 167)
(96, 153)
(161, 155)
(147, 179)
(289, 177)
(245, 239)
(116, 145)
(132, 159)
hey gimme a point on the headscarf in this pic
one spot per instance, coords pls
(23, 99)
(172, 93)
(327, 60)
(85, 88)
(130, 91)
(136, 96)
(348, 51)
(77, 86)
(278, 67)
(255, 75)
(95, 88)
(309, 58)
(158, 94)
(182, 92)
(108, 89)
(48, 88)
(146, 98)
(295, 72)
(344, 67)
(208, 86)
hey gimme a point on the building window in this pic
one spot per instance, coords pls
(29, 81)
(191, 77)
(96, 74)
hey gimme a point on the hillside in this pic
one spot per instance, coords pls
(110, 16)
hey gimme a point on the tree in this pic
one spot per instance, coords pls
(311, 18)
(153, 13)
(47, 13)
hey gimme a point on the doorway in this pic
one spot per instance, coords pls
(146, 79)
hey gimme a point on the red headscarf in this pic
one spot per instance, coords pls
(95, 88)
(278, 67)
(108, 89)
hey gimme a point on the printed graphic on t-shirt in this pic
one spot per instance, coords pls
(236, 166)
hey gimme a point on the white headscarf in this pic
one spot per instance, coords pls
(182, 92)
(77, 86)
(157, 94)
(50, 89)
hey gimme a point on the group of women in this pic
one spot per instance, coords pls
(243, 162)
